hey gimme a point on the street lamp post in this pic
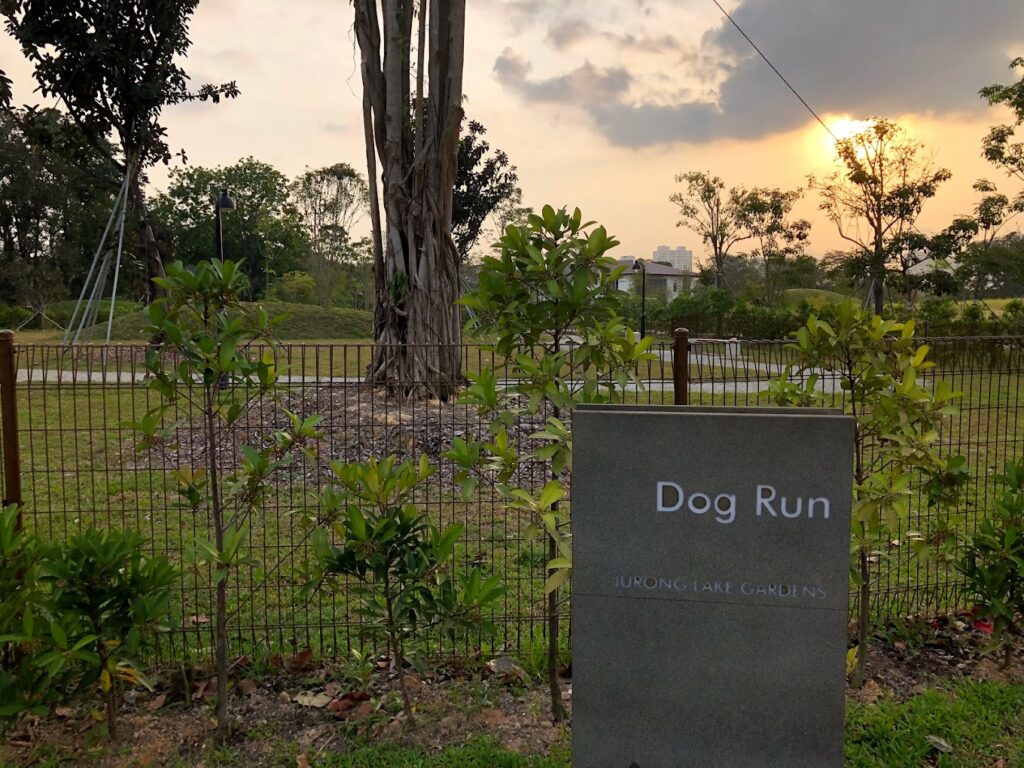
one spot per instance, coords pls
(640, 268)
(224, 203)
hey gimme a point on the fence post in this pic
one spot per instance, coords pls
(681, 367)
(9, 422)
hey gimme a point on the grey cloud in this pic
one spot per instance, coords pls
(864, 57)
(579, 86)
(565, 33)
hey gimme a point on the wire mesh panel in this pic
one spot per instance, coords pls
(81, 467)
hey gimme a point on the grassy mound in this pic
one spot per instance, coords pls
(814, 296)
(298, 322)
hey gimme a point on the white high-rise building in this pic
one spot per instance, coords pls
(681, 257)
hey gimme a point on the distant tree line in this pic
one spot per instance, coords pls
(757, 247)
(298, 237)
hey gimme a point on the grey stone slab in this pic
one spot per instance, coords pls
(711, 632)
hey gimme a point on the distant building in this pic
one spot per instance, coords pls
(666, 282)
(680, 257)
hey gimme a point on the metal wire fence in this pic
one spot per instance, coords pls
(79, 466)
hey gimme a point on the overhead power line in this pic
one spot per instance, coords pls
(775, 69)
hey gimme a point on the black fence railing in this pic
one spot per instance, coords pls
(75, 453)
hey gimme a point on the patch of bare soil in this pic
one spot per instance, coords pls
(358, 422)
(924, 654)
(279, 718)
(300, 711)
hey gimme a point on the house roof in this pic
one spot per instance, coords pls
(653, 268)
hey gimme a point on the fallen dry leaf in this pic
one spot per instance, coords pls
(310, 699)
(340, 707)
(300, 662)
(939, 743)
(301, 761)
(362, 711)
(156, 702)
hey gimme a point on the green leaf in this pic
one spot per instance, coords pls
(555, 580)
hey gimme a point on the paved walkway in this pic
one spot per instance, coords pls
(746, 378)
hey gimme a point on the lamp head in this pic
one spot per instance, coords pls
(225, 202)
(638, 265)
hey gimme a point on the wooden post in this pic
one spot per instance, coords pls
(681, 367)
(9, 422)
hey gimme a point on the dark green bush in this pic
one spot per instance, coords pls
(936, 316)
(714, 312)
(11, 316)
(76, 616)
(24, 686)
(993, 562)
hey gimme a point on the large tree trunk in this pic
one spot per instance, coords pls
(149, 253)
(416, 322)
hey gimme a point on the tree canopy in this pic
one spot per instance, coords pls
(765, 216)
(114, 65)
(484, 183)
(877, 196)
(55, 195)
(707, 211)
(265, 229)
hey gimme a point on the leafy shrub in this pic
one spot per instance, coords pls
(75, 616)
(294, 287)
(24, 686)
(550, 280)
(1013, 317)
(11, 315)
(220, 371)
(756, 321)
(975, 321)
(399, 561)
(993, 562)
(702, 312)
(936, 316)
(716, 312)
(108, 602)
(898, 422)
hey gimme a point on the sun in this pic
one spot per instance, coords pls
(822, 146)
(846, 127)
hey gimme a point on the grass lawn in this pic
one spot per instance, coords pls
(814, 296)
(982, 722)
(297, 321)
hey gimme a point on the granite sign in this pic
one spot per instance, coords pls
(710, 587)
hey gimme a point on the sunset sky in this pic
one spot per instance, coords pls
(601, 102)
